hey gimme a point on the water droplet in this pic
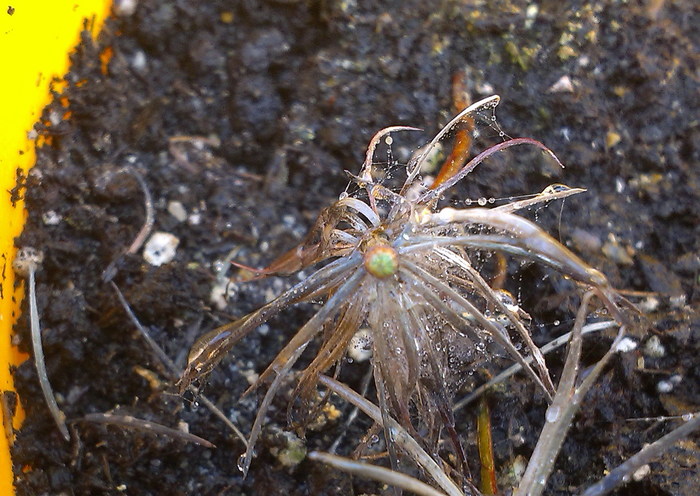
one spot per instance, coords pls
(241, 464)
(482, 201)
(388, 140)
(552, 414)
(556, 322)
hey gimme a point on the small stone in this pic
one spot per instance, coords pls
(617, 252)
(177, 210)
(641, 472)
(531, 15)
(563, 85)
(625, 345)
(612, 139)
(360, 347)
(585, 241)
(221, 293)
(649, 304)
(678, 301)
(653, 348)
(124, 8)
(160, 248)
(664, 387)
(195, 219)
(139, 61)
(662, 279)
(51, 218)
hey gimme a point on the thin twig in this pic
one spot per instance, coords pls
(147, 227)
(381, 474)
(513, 369)
(623, 472)
(561, 412)
(173, 371)
(353, 413)
(146, 426)
(399, 435)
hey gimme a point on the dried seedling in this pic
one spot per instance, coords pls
(409, 271)
(26, 263)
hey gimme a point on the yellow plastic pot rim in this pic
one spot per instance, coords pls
(36, 38)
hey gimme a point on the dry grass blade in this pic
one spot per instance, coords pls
(146, 426)
(286, 359)
(111, 270)
(623, 473)
(562, 410)
(471, 165)
(380, 474)
(174, 372)
(468, 308)
(550, 193)
(513, 369)
(399, 435)
(212, 346)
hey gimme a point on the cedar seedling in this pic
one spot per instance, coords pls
(394, 262)
(26, 263)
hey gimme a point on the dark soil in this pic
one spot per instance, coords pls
(278, 98)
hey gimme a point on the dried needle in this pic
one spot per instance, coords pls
(26, 264)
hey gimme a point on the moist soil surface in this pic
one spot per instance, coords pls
(242, 117)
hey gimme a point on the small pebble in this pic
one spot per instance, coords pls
(124, 8)
(664, 387)
(649, 304)
(667, 385)
(139, 61)
(641, 472)
(160, 248)
(177, 210)
(617, 252)
(626, 344)
(653, 348)
(360, 347)
(612, 139)
(51, 218)
(563, 85)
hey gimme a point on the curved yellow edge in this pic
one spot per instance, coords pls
(36, 37)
